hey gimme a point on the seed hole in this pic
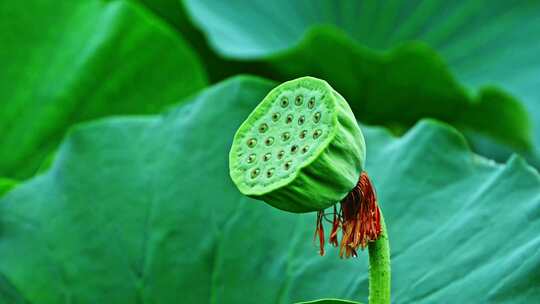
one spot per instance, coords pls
(284, 102)
(281, 154)
(263, 128)
(267, 156)
(301, 120)
(255, 172)
(287, 165)
(317, 133)
(311, 103)
(298, 100)
(252, 142)
(270, 172)
(289, 118)
(251, 158)
(317, 117)
(285, 136)
(303, 134)
(305, 149)
(276, 116)
(270, 140)
(294, 148)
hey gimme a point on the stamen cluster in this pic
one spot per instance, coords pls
(358, 218)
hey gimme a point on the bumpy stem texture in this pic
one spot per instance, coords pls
(379, 268)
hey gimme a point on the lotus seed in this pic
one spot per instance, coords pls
(285, 136)
(288, 165)
(311, 103)
(255, 172)
(267, 156)
(301, 120)
(284, 102)
(270, 172)
(251, 158)
(305, 149)
(303, 134)
(270, 140)
(298, 100)
(294, 148)
(281, 154)
(252, 142)
(275, 116)
(289, 118)
(317, 117)
(317, 133)
(263, 128)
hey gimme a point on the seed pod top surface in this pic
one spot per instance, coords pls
(300, 150)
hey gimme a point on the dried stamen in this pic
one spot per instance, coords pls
(319, 231)
(335, 228)
(358, 218)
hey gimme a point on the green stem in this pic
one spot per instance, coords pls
(379, 268)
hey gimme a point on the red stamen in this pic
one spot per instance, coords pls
(359, 219)
(335, 228)
(319, 230)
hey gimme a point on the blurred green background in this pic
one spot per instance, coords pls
(116, 118)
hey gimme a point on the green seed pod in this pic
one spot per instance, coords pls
(300, 150)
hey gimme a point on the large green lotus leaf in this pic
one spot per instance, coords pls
(143, 210)
(68, 61)
(482, 42)
(218, 68)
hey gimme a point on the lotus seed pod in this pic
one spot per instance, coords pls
(300, 150)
